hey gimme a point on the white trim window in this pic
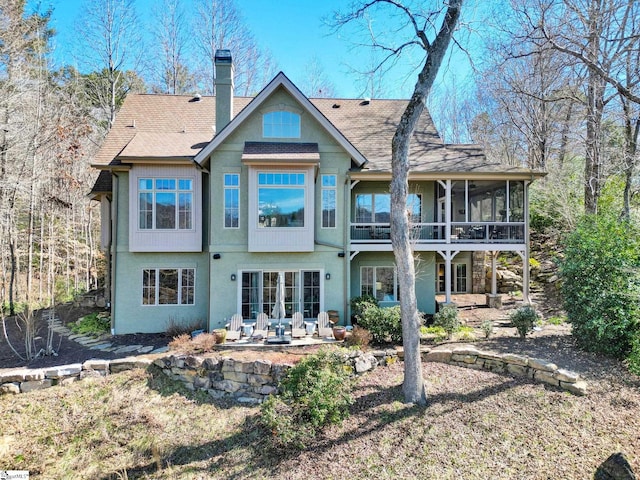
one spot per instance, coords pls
(281, 199)
(231, 200)
(329, 195)
(302, 292)
(281, 124)
(459, 277)
(380, 283)
(165, 203)
(168, 286)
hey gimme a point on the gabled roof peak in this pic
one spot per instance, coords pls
(281, 81)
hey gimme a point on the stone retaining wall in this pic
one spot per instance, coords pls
(245, 381)
(252, 381)
(518, 365)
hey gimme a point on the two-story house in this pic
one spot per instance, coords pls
(209, 202)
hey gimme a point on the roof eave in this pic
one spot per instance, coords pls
(432, 176)
(162, 160)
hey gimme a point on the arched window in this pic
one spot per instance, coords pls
(281, 124)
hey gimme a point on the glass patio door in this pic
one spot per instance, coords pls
(301, 292)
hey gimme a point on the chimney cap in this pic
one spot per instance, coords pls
(223, 56)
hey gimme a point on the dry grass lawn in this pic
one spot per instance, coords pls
(478, 425)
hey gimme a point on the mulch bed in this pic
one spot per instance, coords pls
(68, 351)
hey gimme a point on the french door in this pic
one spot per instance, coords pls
(302, 292)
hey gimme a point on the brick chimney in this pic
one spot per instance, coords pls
(224, 88)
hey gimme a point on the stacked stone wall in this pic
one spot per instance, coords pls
(517, 365)
(252, 381)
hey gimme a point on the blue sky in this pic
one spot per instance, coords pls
(291, 29)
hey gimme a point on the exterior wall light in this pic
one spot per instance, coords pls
(327, 276)
(233, 277)
(217, 256)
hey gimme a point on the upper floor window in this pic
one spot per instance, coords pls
(281, 199)
(281, 124)
(376, 207)
(231, 200)
(329, 191)
(165, 203)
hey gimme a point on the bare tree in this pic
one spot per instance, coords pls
(219, 25)
(172, 41)
(110, 33)
(597, 34)
(316, 82)
(434, 41)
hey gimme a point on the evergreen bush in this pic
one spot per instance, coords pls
(524, 319)
(601, 284)
(360, 304)
(447, 318)
(313, 394)
(384, 323)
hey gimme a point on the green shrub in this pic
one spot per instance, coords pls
(600, 284)
(384, 323)
(360, 304)
(466, 334)
(556, 320)
(447, 318)
(633, 359)
(439, 333)
(313, 394)
(92, 324)
(524, 319)
(487, 328)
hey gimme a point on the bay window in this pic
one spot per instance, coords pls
(165, 203)
(281, 199)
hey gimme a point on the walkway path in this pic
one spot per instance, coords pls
(102, 342)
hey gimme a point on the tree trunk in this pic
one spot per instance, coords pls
(593, 167)
(413, 386)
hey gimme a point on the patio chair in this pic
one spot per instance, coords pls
(262, 326)
(324, 327)
(297, 326)
(234, 327)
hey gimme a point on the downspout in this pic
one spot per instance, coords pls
(209, 240)
(346, 252)
(114, 246)
(207, 222)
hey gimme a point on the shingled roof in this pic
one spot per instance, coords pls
(170, 127)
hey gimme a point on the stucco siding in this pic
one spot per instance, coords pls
(131, 316)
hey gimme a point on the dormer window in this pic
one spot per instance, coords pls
(281, 124)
